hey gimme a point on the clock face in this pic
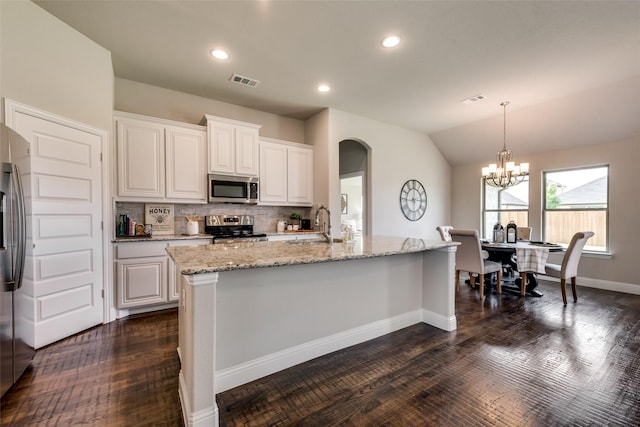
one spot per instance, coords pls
(413, 200)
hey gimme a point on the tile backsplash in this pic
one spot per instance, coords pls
(265, 217)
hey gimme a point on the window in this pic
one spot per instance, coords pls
(504, 205)
(577, 200)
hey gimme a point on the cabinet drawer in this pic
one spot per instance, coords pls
(140, 250)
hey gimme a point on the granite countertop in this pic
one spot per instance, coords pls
(159, 238)
(226, 257)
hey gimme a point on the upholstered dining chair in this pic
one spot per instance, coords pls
(444, 232)
(469, 258)
(568, 270)
(446, 237)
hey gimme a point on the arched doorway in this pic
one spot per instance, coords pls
(354, 185)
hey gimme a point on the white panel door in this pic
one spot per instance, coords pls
(66, 186)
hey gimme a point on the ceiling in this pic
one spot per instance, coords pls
(570, 69)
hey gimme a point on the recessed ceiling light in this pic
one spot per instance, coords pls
(219, 54)
(324, 88)
(391, 41)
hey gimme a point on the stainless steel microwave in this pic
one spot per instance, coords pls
(233, 189)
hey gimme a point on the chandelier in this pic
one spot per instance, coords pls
(505, 173)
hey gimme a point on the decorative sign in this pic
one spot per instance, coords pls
(160, 217)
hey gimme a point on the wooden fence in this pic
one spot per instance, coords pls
(562, 225)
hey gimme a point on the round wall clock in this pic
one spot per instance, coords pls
(413, 200)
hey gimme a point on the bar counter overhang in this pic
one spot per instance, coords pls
(248, 310)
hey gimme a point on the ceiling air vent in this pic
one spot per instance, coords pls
(473, 99)
(245, 81)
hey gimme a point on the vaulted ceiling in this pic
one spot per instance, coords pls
(570, 69)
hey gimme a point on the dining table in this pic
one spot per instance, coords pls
(524, 257)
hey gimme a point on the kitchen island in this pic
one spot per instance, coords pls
(248, 310)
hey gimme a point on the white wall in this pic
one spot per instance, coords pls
(397, 155)
(317, 134)
(48, 65)
(624, 205)
(140, 98)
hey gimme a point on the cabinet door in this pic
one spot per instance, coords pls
(186, 164)
(221, 147)
(273, 173)
(300, 169)
(142, 281)
(246, 151)
(140, 157)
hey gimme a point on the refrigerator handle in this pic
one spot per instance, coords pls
(3, 207)
(22, 228)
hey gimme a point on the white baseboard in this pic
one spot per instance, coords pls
(243, 373)
(607, 285)
(439, 321)
(204, 418)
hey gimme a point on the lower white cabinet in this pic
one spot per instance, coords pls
(144, 275)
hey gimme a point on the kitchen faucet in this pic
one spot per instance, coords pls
(327, 233)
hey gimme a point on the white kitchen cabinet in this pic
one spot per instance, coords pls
(286, 173)
(144, 276)
(300, 179)
(233, 146)
(140, 158)
(141, 269)
(186, 160)
(160, 160)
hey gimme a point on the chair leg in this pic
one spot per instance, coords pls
(499, 281)
(573, 289)
(523, 283)
(563, 287)
(457, 280)
(472, 280)
(481, 286)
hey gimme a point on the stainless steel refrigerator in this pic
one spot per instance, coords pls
(15, 353)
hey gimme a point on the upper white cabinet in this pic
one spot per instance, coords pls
(160, 159)
(186, 160)
(286, 173)
(233, 146)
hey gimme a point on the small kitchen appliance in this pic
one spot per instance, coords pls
(232, 228)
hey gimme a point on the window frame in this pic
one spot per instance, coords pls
(499, 211)
(543, 218)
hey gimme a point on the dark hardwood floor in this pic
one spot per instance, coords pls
(124, 373)
(512, 362)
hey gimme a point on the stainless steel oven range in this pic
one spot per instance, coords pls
(232, 228)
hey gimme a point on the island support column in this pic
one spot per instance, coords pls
(438, 288)
(196, 317)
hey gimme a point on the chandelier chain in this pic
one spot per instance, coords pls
(505, 172)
